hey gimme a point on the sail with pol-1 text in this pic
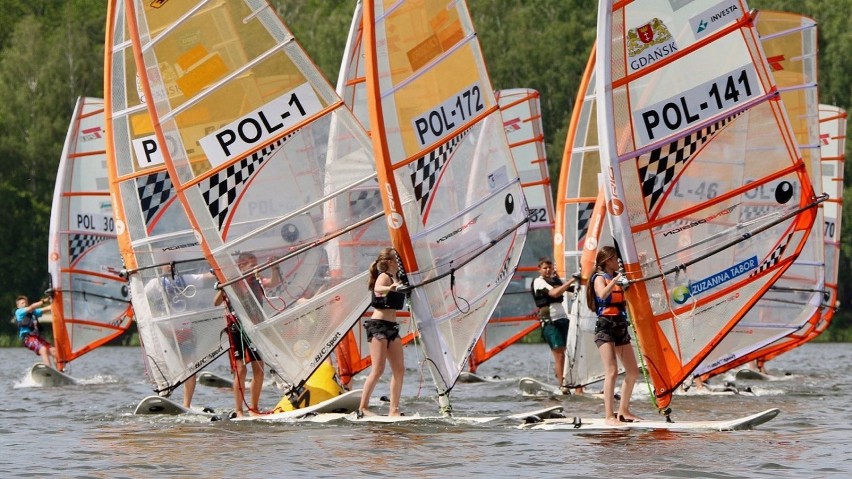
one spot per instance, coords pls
(248, 119)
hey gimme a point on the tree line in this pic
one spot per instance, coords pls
(51, 52)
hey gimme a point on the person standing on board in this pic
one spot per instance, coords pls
(26, 318)
(605, 296)
(383, 330)
(243, 352)
(548, 292)
(170, 294)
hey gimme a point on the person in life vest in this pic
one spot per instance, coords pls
(606, 297)
(548, 292)
(26, 318)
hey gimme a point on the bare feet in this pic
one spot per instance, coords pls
(239, 413)
(365, 413)
(628, 417)
(394, 412)
(612, 421)
(252, 412)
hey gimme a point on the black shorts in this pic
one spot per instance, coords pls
(241, 346)
(381, 329)
(611, 330)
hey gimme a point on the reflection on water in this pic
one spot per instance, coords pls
(87, 430)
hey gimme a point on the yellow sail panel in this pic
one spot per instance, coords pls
(686, 103)
(91, 303)
(450, 188)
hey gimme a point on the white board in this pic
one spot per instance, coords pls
(162, 405)
(598, 424)
(346, 403)
(537, 414)
(44, 375)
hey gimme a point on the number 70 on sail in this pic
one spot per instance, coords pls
(696, 104)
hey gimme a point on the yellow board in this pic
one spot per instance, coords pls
(321, 386)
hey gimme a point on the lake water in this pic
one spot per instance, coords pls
(88, 430)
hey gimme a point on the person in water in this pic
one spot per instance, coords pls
(383, 330)
(549, 292)
(26, 318)
(243, 352)
(605, 296)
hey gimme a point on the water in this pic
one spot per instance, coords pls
(88, 431)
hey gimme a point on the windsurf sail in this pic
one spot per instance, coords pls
(832, 125)
(795, 300)
(91, 302)
(832, 151)
(708, 198)
(353, 353)
(581, 229)
(515, 315)
(172, 289)
(247, 117)
(453, 199)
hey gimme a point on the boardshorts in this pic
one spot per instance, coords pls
(34, 342)
(555, 332)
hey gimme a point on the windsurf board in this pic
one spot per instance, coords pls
(598, 424)
(44, 375)
(163, 405)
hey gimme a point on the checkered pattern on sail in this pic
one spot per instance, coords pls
(221, 189)
(78, 244)
(365, 202)
(584, 213)
(662, 165)
(154, 191)
(774, 257)
(426, 169)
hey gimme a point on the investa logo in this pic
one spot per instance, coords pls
(395, 220)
